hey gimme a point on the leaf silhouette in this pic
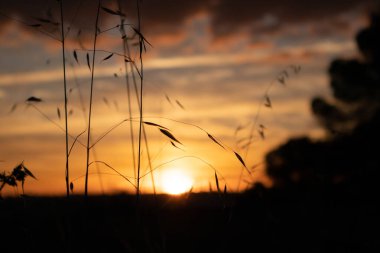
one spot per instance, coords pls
(180, 105)
(154, 124)
(142, 37)
(88, 60)
(71, 186)
(217, 182)
(225, 190)
(127, 59)
(13, 108)
(105, 100)
(34, 99)
(168, 99)
(109, 56)
(75, 56)
(71, 112)
(28, 172)
(174, 145)
(241, 161)
(112, 12)
(214, 140)
(59, 113)
(262, 134)
(168, 134)
(268, 103)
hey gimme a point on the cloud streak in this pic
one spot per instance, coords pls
(166, 16)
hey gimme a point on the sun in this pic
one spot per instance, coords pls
(175, 182)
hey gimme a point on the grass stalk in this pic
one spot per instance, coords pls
(90, 103)
(141, 100)
(128, 86)
(84, 115)
(126, 51)
(67, 178)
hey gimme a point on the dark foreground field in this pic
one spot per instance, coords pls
(258, 221)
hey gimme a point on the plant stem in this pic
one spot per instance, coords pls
(84, 114)
(125, 51)
(65, 92)
(90, 106)
(141, 101)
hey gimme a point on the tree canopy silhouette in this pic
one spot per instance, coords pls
(348, 157)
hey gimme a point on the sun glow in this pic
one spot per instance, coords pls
(175, 182)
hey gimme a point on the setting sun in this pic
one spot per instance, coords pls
(175, 182)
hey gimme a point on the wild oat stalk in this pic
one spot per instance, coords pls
(90, 106)
(141, 41)
(65, 95)
(281, 78)
(128, 86)
(126, 51)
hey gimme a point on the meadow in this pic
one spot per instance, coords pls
(113, 143)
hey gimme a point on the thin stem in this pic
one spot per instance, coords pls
(83, 107)
(125, 51)
(281, 77)
(114, 27)
(65, 92)
(104, 51)
(143, 128)
(141, 102)
(29, 25)
(90, 106)
(55, 123)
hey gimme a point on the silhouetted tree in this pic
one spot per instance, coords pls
(349, 156)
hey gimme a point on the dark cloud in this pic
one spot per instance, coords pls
(228, 16)
(167, 16)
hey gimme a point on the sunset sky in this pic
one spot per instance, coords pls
(211, 65)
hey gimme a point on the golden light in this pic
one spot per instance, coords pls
(175, 181)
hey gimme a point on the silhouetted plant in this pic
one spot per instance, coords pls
(18, 175)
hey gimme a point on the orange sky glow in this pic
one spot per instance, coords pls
(202, 76)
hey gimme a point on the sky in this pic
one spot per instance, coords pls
(211, 68)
